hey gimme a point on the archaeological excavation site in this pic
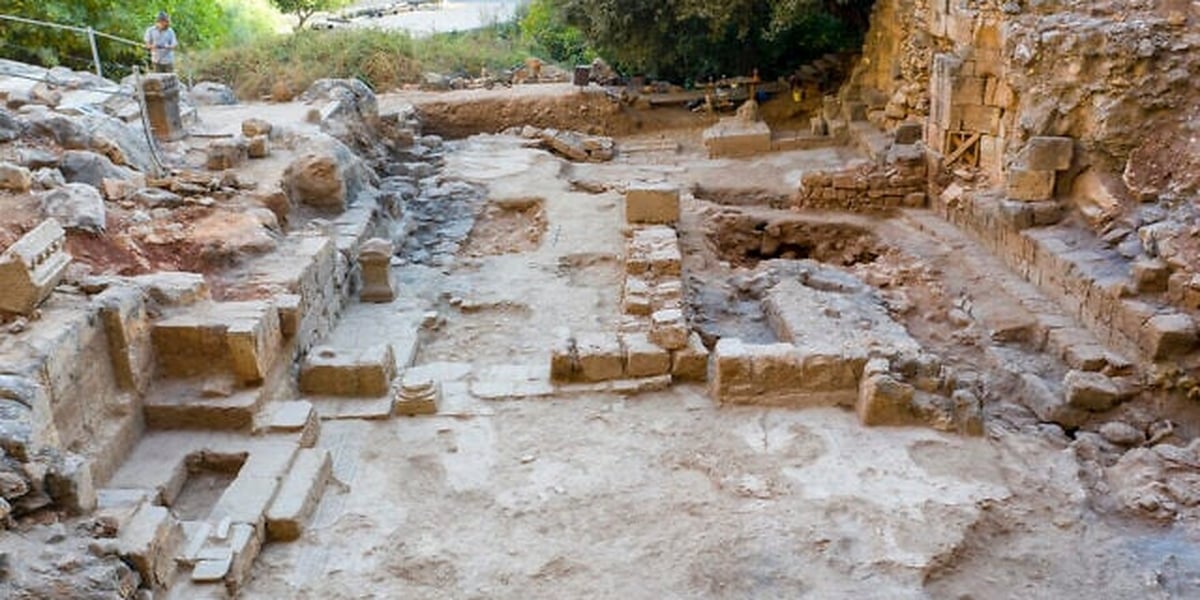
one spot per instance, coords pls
(923, 325)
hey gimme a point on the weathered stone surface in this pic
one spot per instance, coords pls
(48, 179)
(1122, 434)
(690, 363)
(156, 198)
(10, 126)
(316, 180)
(75, 206)
(209, 93)
(15, 178)
(258, 146)
(1042, 153)
(80, 166)
(1090, 391)
(643, 358)
(883, 400)
(298, 495)
(653, 203)
(599, 357)
(252, 128)
(733, 137)
(1165, 336)
(669, 329)
(1029, 185)
(374, 259)
(364, 372)
(227, 154)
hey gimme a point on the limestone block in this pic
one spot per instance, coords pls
(1045, 153)
(258, 146)
(1090, 391)
(419, 395)
(884, 400)
(669, 329)
(148, 542)
(298, 496)
(295, 416)
(635, 297)
(367, 371)
(161, 92)
(600, 357)
(32, 267)
(246, 542)
(690, 363)
(564, 361)
(1050, 407)
(733, 137)
(316, 180)
(1150, 275)
(290, 311)
(127, 327)
(644, 359)
(226, 154)
(969, 90)
(730, 369)
(15, 178)
(252, 128)
(652, 203)
(984, 119)
(253, 341)
(374, 258)
(1169, 335)
(1029, 185)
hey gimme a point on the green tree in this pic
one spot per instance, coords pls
(305, 9)
(199, 24)
(681, 39)
(544, 28)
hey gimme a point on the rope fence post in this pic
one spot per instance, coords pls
(91, 33)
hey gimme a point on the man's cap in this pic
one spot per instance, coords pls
(163, 16)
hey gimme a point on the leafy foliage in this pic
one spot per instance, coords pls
(544, 28)
(199, 24)
(683, 39)
(305, 9)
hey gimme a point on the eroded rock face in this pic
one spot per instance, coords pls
(79, 166)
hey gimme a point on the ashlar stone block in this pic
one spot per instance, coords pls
(656, 203)
(1029, 185)
(32, 267)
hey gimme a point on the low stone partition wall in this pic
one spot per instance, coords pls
(896, 181)
(840, 348)
(654, 340)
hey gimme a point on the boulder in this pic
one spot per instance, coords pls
(210, 93)
(1090, 391)
(15, 178)
(10, 126)
(315, 180)
(81, 166)
(156, 198)
(48, 179)
(60, 129)
(33, 158)
(347, 110)
(75, 206)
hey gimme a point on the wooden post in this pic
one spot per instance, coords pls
(91, 33)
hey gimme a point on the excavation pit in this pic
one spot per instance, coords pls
(744, 240)
(208, 476)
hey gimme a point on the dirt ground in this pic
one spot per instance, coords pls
(667, 495)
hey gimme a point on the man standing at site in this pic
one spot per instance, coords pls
(160, 41)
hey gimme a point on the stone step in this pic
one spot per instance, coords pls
(149, 542)
(183, 404)
(242, 338)
(299, 495)
(356, 372)
(297, 416)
